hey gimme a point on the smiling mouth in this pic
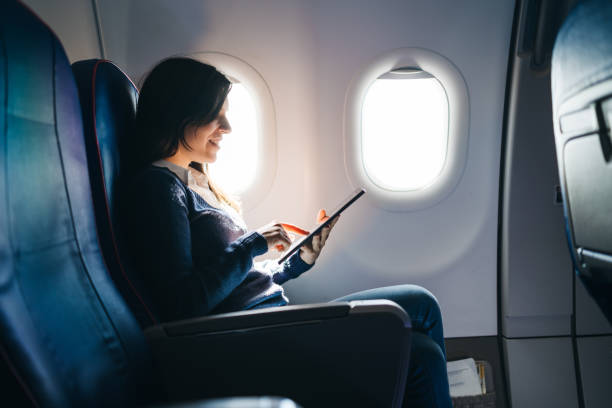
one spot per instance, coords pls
(214, 143)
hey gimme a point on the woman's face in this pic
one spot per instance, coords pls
(204, 140)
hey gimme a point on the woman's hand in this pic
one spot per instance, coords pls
(310, 251)
(276, 236)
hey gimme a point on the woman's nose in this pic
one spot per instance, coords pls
(225, 126)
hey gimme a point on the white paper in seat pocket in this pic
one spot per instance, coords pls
(463, 378)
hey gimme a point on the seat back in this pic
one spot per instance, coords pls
(65, 331)
(108, 102)
(582, 113)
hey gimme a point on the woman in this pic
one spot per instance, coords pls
(190, 244)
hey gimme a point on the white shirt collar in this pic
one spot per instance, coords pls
(181, 172)
(195, 180)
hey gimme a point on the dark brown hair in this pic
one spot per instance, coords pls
(177, 93)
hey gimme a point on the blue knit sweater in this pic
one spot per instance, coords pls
(191, 258)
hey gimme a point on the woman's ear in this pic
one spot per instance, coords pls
(189, 134)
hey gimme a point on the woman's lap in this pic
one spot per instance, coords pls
(427, 382)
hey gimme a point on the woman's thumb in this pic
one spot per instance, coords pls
(321, 216)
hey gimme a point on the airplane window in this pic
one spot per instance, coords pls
(246, 162)
(404, 130)
(406, 127)
(236, 163)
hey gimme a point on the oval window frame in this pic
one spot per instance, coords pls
(458, 128)
(236, 68)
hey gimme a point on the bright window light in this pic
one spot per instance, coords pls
(404, 132)
(234, 170)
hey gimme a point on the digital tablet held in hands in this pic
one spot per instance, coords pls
(343, 206)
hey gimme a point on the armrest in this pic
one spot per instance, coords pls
(331, 354)
(253, 319)
(245, 402)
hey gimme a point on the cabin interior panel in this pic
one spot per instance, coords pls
(74, 23)
(542, 372)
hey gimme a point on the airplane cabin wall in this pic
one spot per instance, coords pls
(73, 21)
(308, 52)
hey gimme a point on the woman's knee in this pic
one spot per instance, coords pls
(427, 298)
(420, 302)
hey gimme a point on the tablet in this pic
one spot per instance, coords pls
(343, 206)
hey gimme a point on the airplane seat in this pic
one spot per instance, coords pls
(66, 335)
(581, 80)
(108, 102)
(65, 329)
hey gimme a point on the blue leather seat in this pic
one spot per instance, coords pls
(67, 337)
(64, 326)
(108, 102)
(582, 112)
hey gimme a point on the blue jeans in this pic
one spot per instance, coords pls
(427, 381)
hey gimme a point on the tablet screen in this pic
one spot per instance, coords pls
(343, 206)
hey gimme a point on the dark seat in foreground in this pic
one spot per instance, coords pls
(582, 112)
(67, 338)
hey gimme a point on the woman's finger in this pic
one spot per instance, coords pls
(282, 242)
(327, 229)
(316, 243)
(307, 247)
(282, 232)
(280, 239)
(293, 228)
(324, 235)
(321, 216)
(285, 242)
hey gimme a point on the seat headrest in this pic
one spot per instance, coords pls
(582, 56)
(108, 100)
